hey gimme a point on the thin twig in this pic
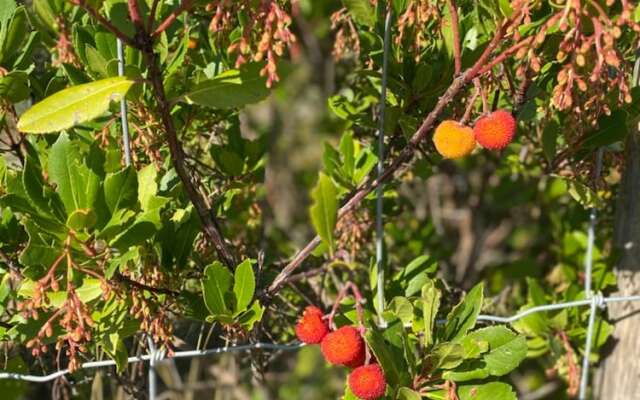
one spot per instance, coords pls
(184, 5)
(131, 282)
(209, 223)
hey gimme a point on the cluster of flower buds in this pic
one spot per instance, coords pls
(412, 23)
(64, 46)
(264, 35)
(347, 41)
(354, 231)
(591, 64)
(154, 317)
(74, 318)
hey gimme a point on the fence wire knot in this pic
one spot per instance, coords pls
(597, 300)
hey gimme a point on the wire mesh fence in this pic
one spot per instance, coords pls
(593, 300)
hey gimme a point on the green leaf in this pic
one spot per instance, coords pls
(446, 355)
(506, 348)
(76, 183)
(487, 391)
(143, 228)
(244, 285)
(402, 308)
(582, 193)
(430, 303)
(96, 62)
(14, 86)
(324, 210)
(14, 34)
(404, 393)
(147, 186)
(82, 219)
(73, 106)
(463, 316)
(251, 316)
(37, 192)
(215, 287)
(231, 89)
(392, 362)
(121, 189)
(362, 11)
(7, 7)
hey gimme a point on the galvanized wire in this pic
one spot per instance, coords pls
(157, 356)
(124, 117)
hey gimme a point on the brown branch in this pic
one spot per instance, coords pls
(104, 22)
(209, 223)
(136, 18)
(505, 54)
(184, 5)
(455, 26)
(400, 163)
(121, 278)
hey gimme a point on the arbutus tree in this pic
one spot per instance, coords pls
(494, 114)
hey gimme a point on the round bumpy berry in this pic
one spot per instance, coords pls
(496, 130)
(367, 382)
(311, 328)
(344, 347)
(454, 140)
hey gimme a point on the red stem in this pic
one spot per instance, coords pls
(172, 17)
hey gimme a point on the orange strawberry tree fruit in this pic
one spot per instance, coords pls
(203, 173)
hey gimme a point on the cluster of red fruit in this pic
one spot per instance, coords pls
(494, 131)
(346, 347)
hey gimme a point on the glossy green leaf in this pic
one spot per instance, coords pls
(147, 186)
(506, 349)
(487, 391)
(446, 355)
(324, 210)
(463, 316)
(121, 189)
(82, 219)
(231, 89)
(392, 362)
(430, 303)
(404, 393)
(73, 106)
(216, 286)
(244, 285)
(76, 183)
(14, 86)
(14, 35)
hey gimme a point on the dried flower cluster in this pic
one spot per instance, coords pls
(592, 66)
(354, 231)
(347, 42)
(72, 316)
(412, 24)
(64, 46)
(264, 32)
(153, 314)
